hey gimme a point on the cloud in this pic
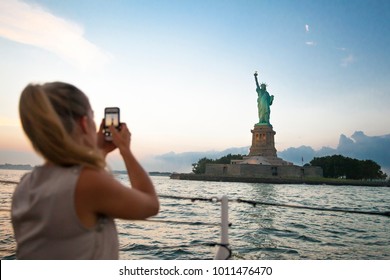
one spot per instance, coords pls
(32, 25)
(182, 162)
(359, 146)
(346, 61)
(19, 157)
(311, 43)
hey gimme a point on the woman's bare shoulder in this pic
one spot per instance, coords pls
(102, 193)
(95, 174)
(93, 182)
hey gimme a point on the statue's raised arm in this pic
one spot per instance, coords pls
(257, 82)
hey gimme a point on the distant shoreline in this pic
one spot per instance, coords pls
(277, 180)
(152, 173)
(203, 177)
(28, 167)
(8, 166)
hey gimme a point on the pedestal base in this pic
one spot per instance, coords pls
(263, 143)
(263, 150)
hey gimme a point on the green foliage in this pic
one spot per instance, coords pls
(338, 166)
(200, 166)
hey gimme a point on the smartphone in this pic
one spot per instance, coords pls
(111, 117)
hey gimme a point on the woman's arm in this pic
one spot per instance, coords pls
(98, 192)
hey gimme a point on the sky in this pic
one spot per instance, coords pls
(182, 71)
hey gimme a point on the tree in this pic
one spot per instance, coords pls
(228, 158)
(338, 166)
(200, 166)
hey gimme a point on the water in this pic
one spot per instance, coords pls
(261, 232)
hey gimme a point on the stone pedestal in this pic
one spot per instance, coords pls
(263, 143)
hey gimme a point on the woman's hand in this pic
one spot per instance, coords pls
(106, 146)
(121, 138)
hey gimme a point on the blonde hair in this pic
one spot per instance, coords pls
(49, 114)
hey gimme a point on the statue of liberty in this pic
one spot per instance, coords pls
(264, 101)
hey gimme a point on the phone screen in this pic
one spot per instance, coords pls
(111, 117)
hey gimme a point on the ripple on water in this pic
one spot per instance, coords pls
(261, 232)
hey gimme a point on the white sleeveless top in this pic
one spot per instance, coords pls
(45, 222)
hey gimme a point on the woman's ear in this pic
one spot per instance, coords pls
(84, 125)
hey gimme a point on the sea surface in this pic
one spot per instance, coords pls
(185, 228)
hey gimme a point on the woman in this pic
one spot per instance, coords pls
(65, 209)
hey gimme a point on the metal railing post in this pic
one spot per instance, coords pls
(223, 252)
